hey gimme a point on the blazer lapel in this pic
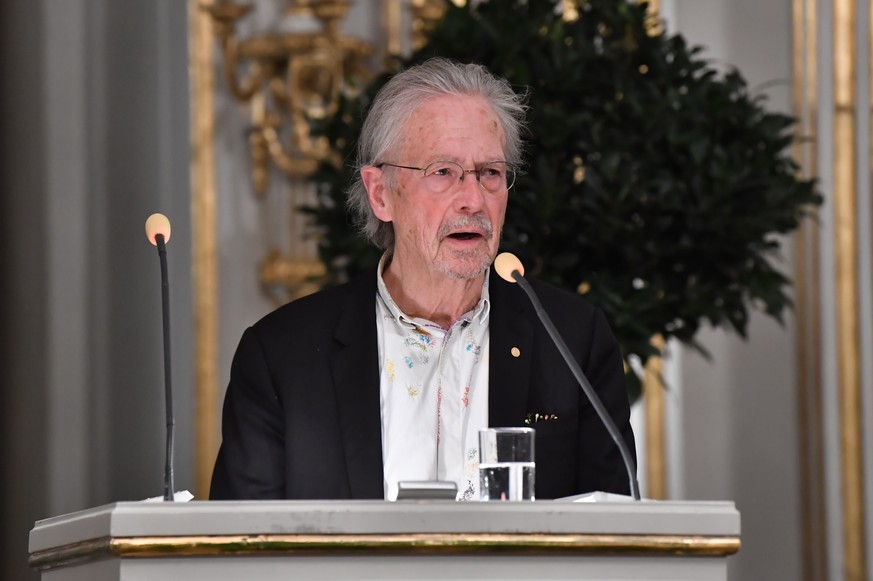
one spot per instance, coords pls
(511, 337)
(355, 369)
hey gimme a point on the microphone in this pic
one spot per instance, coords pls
(509, 267)
(157, 229)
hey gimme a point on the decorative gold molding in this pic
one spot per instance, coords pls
(653, 399)
(807, 271)
(292, 78)
(653, 382)
(205, 253)
(846, 241)
(406, 544)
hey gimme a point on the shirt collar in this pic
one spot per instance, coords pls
(479, 312)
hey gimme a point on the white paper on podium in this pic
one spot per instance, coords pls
(181, 496)
(599, 496)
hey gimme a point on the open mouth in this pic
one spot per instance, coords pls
(465, 235)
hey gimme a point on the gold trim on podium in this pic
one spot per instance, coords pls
(381, 544)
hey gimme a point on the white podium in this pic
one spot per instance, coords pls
(375, 540)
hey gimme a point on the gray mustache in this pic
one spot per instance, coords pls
(475, 222)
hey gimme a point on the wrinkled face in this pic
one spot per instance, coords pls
(456, 232)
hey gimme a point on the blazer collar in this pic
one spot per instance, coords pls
(511, 336)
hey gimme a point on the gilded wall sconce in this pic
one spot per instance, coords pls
(291, 80)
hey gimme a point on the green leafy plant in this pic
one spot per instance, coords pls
(654, 185)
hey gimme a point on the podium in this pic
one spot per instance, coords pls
(377, 540)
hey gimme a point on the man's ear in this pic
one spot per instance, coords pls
(377, 192)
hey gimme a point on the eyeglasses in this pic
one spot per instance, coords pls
(442, 176)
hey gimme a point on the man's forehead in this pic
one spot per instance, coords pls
(438, 124)
(438, 105)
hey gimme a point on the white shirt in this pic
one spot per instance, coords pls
(433, 394)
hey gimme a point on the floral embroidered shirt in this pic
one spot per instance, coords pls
(434, 394)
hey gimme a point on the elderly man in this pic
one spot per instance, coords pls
(390, 377)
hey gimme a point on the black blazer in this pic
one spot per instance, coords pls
(301, 415)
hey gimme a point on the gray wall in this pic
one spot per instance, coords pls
(94, 118)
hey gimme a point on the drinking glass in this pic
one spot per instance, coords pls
(506, 464)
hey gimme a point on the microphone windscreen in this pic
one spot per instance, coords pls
(506, 263)
(157, 224)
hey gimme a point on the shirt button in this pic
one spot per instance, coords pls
(516, 352)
